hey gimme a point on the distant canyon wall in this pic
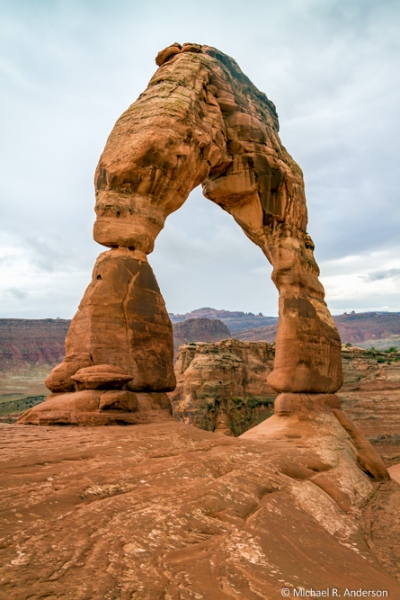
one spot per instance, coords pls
(28, 343)
(37, 342)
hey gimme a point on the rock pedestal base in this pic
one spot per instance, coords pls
(300, 417)
(99, 407)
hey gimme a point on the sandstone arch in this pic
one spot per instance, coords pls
(200, 121)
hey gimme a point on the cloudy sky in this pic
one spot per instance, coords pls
(69, 68)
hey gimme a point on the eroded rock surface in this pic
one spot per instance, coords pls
(371, 396)
(170, 511)
(121, 338)
(200, 121)
(122, 321)
(231, 377)
(204, 122)
(223, 386)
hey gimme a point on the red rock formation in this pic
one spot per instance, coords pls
(230, 377)
(223, 386)
(371, 396)
(200, 121)
(212, 126)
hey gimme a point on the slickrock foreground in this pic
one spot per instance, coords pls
(169, 511)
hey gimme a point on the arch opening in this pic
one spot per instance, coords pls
(199, 122)
(201, 258)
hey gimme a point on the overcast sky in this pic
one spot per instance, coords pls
(69, 68)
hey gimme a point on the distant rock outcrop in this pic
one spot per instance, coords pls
(234, 320)
(368, 329)
(361, 327)
(258, 334)
(199, 330)
(223, 386)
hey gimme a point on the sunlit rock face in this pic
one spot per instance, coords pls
(200, 121)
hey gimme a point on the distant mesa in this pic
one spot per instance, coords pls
(234, 320)
(199, 330)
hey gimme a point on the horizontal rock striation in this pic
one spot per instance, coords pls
(31, 342)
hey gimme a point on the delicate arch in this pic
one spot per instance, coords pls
(200, 121)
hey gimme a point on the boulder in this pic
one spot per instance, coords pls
(100, 377)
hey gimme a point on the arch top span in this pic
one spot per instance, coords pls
(200, 121)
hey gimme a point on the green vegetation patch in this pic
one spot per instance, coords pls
(10, 407)
(243, 414)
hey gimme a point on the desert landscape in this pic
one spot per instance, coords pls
(210, 454)
(217, 381)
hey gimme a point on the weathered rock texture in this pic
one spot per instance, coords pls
(170, 511)
(224, 386)
(121, 331)
(200, 121)
(121, 321)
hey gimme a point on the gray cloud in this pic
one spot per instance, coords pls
(16, 294)
(389, 274)
(69, 69)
